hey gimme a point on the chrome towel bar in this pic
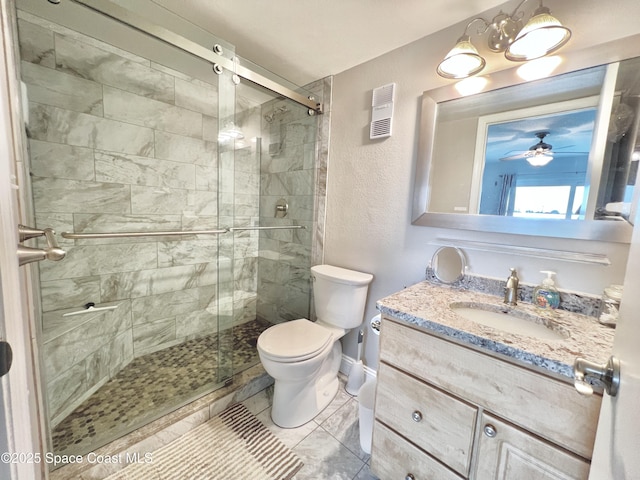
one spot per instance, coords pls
(80, 236)
(279, 227)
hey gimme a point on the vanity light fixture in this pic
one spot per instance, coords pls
(542, 35)
(462, 61)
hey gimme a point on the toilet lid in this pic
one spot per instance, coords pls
(295, 340)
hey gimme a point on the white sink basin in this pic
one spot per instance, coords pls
(509, 320)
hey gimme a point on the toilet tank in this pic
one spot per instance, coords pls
(339, 295)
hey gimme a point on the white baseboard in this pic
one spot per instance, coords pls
(347, 362)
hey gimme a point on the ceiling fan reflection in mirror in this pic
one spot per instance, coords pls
(539, 154)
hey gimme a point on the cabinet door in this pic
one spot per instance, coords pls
(506, 452)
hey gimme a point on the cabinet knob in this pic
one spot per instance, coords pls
(490, 431)
(409, 477)
(417, 417)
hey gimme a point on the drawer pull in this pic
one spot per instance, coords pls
(417, 417)
(409, 477)
(490, 431)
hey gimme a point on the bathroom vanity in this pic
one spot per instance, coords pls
(458, 399)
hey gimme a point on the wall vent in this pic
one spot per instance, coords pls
(382, 111)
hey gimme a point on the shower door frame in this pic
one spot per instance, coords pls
(24, 424)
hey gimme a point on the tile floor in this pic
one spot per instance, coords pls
(329, 445)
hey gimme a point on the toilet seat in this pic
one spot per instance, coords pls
(294, 341)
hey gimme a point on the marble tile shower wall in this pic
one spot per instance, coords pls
(121, 143)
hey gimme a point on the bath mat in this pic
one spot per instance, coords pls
(235, 444)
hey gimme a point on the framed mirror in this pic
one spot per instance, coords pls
(552, 157)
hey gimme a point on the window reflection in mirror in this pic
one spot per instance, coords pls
(518, 159)
(563, 202)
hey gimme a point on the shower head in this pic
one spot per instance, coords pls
(270, 117)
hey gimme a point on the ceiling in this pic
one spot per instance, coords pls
(305, 40)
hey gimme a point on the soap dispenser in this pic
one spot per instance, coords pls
(546, 295)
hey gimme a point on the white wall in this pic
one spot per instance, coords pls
(370, 183)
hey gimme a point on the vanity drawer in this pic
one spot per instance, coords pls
(548, 407)
(436, 422)
(395, 458)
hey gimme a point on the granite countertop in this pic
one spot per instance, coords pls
(427, 306)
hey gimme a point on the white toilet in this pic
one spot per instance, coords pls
(304, 357)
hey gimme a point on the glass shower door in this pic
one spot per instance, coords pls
(287, 205)
(269, 190)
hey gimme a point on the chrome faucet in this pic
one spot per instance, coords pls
(511, 288)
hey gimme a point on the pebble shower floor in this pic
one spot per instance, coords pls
(149, 387)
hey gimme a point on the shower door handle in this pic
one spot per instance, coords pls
(29, 254)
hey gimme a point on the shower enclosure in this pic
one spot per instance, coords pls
(188, 201)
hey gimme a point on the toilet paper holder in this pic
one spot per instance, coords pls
(375, 324)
